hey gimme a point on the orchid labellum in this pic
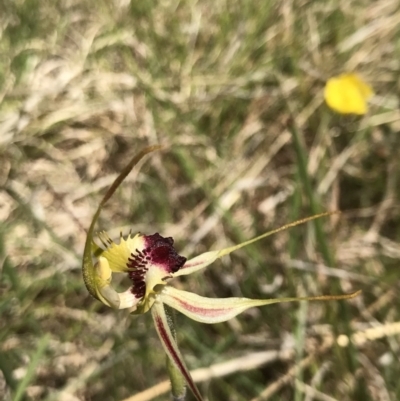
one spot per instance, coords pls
(151, 262)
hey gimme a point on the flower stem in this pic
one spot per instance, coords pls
(178, 384)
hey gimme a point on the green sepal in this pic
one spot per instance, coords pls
(88, 268)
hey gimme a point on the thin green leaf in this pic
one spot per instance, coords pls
(30, 373)
(178, 382)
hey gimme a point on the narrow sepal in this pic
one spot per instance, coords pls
(216, 310)
(201, 261)
(170, 346)
(197, 263)
(88, 269)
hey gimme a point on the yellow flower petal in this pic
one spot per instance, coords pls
(347, 94)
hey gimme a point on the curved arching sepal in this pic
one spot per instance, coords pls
(93, 274)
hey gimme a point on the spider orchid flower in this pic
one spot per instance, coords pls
(151, 262)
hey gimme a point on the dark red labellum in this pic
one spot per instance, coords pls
(161, 251)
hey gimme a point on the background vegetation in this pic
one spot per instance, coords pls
(234, 89)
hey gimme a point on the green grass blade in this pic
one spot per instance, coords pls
(344, 312)
(30, 373)
(310, 193)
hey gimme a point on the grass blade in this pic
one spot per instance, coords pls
(30, 372)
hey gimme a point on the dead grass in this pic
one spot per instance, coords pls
(84, 85)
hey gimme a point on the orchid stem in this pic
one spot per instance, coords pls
(178, 384)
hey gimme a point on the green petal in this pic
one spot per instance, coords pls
(216, 310)
(205, 259)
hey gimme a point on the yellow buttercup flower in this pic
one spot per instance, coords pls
(151, 262)
(347, 94)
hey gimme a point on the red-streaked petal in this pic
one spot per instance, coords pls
(205, 259)
(216, 310)
(170, 346)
